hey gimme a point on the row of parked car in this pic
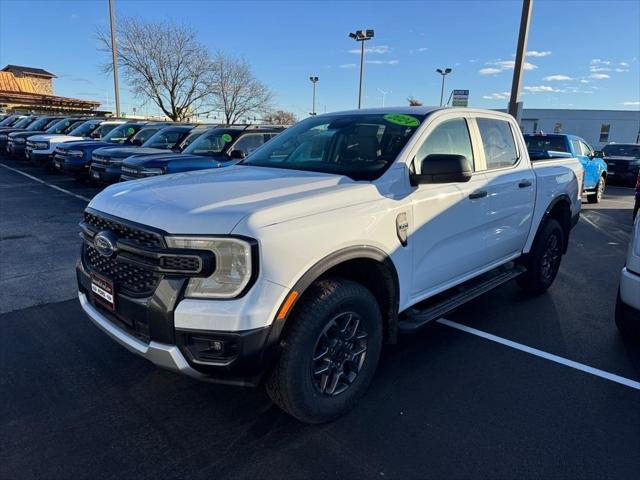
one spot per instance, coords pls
(112, 150)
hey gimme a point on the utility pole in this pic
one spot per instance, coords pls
(114, 56)
(444, 73)
(314, 80)
(361, 36)
(520, 57)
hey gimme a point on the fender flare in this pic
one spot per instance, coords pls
(566, 224)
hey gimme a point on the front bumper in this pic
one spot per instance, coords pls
(70, 165)
(170, 331)
(39, 156)
(630, 288)
(105, 173)
(16, 149)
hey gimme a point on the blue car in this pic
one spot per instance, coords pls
(74, 158)
(217, 147)
(544, 146)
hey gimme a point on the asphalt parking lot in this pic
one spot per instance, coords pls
(515, 387)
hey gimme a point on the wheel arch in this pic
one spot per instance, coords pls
(366, 265)
(560, 209)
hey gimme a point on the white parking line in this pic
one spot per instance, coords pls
(539, 353)
(55, 187)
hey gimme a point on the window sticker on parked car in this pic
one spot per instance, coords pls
(400, 119)
(226, 137)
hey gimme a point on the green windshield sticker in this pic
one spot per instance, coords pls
(131, 131)
(400, 119)
(226, 137)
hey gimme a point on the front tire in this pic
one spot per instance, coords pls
(329, 353)
(596, 196)
(543, 262)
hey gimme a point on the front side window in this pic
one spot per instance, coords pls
(576, 147)
(42, 124)
(498, 143)
(359, 146)
(103, 130)
(84, 129)
(60, 126)
(143, 135)
(192, 137)
(24, 123)
(122, 133)
(451, 137)
(248, 143)
(72, 126)
(586, 149)
(209, 144)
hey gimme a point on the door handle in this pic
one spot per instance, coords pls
(478, 194)
(524, 184)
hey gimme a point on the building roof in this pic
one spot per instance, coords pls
(29, 70)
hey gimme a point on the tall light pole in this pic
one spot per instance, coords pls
(314, 80)
(384, 94)
(114, 55)
(361, 36)
(444, 73)
(520, 54)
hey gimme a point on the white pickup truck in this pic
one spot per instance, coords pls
(297, 264)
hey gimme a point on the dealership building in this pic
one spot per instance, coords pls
(597, 127)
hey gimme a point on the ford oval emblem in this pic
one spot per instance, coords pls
(105, 242)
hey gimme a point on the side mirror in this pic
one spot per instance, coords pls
(443, 168)
(237, 154)
(598, 154)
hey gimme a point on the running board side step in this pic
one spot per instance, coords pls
(416, 318)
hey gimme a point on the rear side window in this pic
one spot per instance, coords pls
(450, 137)
(498, 143)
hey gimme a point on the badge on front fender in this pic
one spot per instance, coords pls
(402, 228)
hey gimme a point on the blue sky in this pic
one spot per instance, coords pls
(583, 54)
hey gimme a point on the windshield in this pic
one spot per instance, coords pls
(61, 126)
(192, 137)
(360, 146)
(546, 144)
(122, 133)
(84, 129)
(25, 122)
(42, 123)
(210, 143)
(622, 150)
(9, 121)
(143, 135)
(165, 139)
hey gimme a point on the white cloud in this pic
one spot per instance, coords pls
(630, 104)
(537, 53)
(347, 65)
(540, 89)
(593, 68)
(622, 69)
(473, 60)
(599, 76)
(502, 65)
(421, 49)
(557, 78)
(599, 61)
(382, 62)
(623, 64)
(497, 96)
(585, 81)
(372, 49)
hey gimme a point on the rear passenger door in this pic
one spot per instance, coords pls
(510, 186)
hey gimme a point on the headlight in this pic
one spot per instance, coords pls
(114, 160)
(20, 140)
(41, 145)
(74, 153)
(152, 171)
(233, 267)
(4, 137)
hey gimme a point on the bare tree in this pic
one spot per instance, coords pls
(280, 117)
(235, 91)
(163, 62)
(414, 102)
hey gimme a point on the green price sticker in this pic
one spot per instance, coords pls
(131, 131)
(400, 119)
(226, 137)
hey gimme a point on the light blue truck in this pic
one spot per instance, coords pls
(547, 146)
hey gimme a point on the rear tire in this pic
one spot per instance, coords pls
(329, 353)
(543, 262)
(596, 196)
(627, 320)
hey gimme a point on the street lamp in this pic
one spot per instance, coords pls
(444, 73)
(361, 36)
(314, 80)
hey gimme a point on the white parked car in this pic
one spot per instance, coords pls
(628, 301)
(41, 147)
(297, 264)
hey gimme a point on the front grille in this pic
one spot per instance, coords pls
(138, 236)
(125, 276)
(186, 264)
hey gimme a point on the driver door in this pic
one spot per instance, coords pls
(448, 235)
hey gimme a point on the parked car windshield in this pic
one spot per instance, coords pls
(359, 146)
(165, 139)
(143, 135)
(24, 122)
(622, 150)
(546, 144)
(122, 133)
(84, 129)
(61, 126)
(192, 137)
(103, 130)
(42, 123)
(209, 144)
(9, 121)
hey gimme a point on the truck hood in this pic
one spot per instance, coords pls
(162, 159)
(53, 138)
(215, 201)
(87, 143)
(23, 134)
(124, 152)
